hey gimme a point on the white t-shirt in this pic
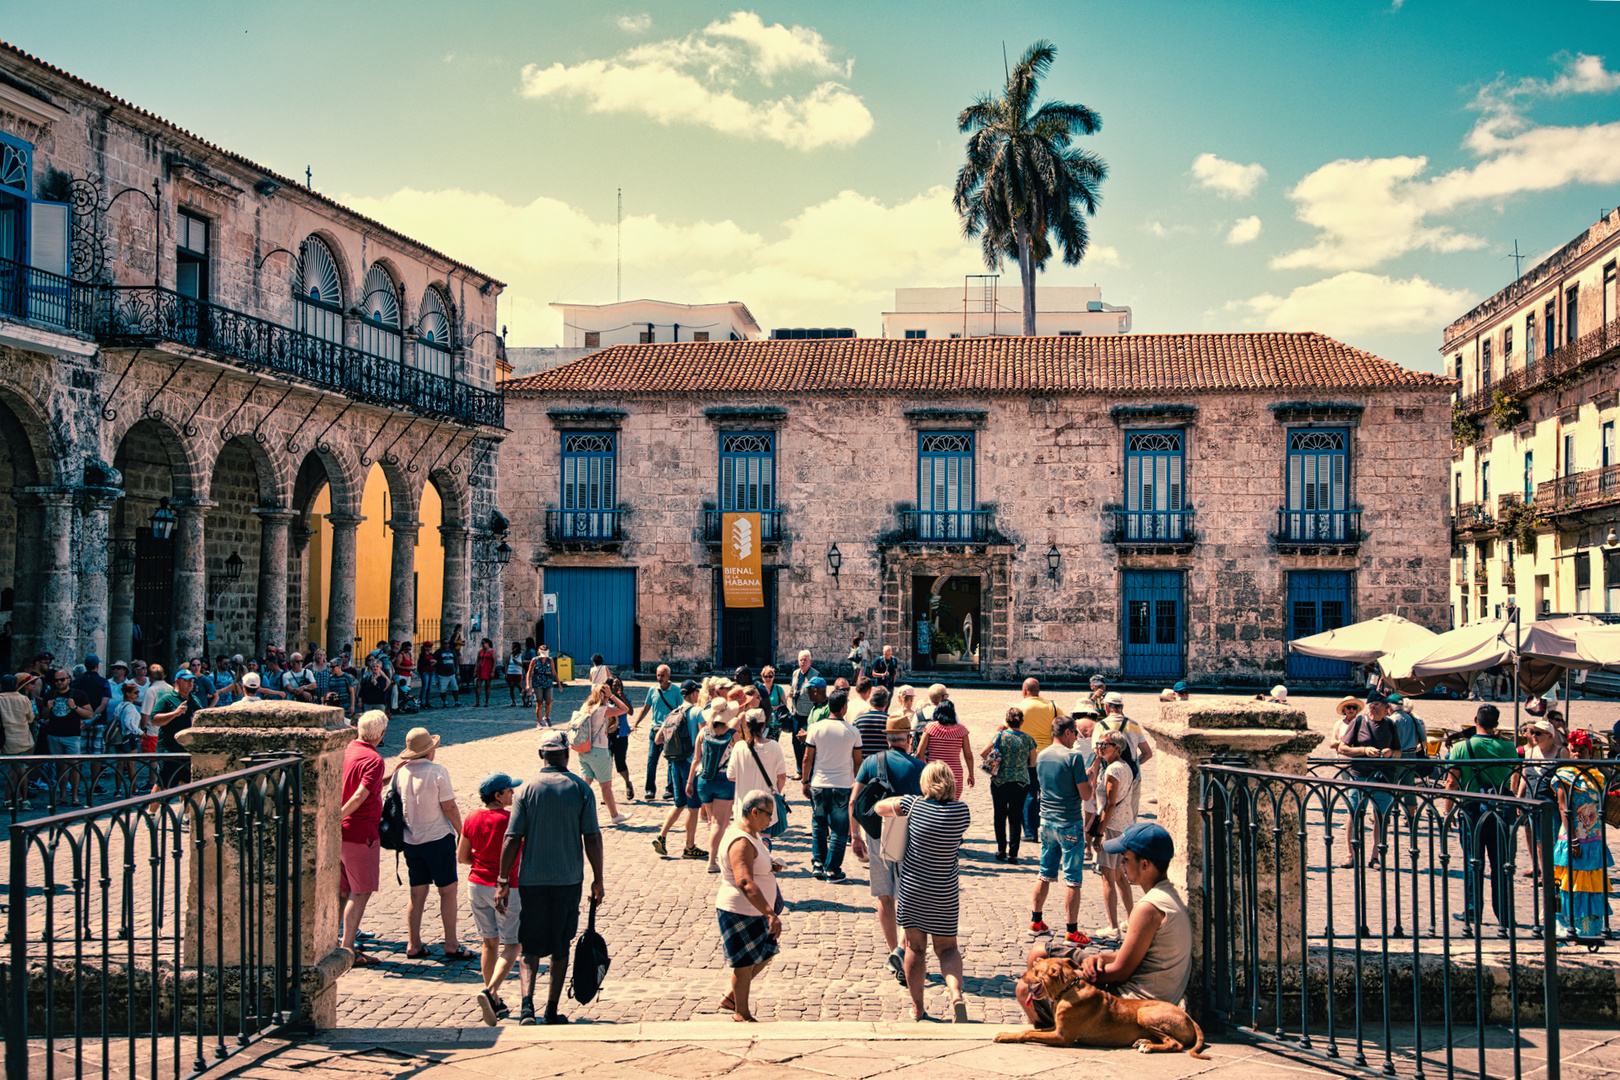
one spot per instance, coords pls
(423, 785)
(295, 680)
(741, 768)
(730, 897)
(1124, 815)
(149, 698)
(599, 674)
(835, 742)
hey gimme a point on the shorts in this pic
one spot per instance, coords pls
(491, 923)
(719, 788)
(1063, 851)
(1106, 861)
(543, 693)
(360, 871)
(446, 684)
(432, 863)
(597, 764)
(879, 871)
(549, 919)
(678, 772)
(65, 745)
(1382, 800)
(514, 680)
(148, 744)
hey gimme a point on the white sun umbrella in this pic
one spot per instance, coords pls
(1363, 641)
(1451, 659)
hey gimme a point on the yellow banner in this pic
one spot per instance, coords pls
(744, 577)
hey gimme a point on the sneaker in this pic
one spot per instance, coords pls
(835, 876)
(526, 1016)
(1105, 933)
(501, 1010)
(897, 964)
(660, 846)
(555, 1017)
(819, 874)
(1039, 928)
(695, 853)
(486, 1005)
(620, 819)
(1078, 937)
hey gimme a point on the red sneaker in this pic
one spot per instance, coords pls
(1077, 938)
(1039, 928)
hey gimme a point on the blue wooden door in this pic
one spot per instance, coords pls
(596, 613)
(1154, 644)
(1318, 600)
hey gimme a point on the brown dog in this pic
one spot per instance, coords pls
(1087, 1016)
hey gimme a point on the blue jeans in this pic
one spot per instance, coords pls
(829, 809)
(795, 726)
(654, 750)
(1032, 811)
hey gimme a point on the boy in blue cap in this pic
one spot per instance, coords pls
(482, 837)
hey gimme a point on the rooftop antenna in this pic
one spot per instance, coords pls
(1518, 261)
(309, 178)
(618, 253)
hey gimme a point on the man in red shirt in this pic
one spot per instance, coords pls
(362, 811)
(482, 836)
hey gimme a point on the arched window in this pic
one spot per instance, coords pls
(318, 293)
(434, 334)
(379, 327)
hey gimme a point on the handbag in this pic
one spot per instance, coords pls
(992, 756)
(893, 841)
(779, 826)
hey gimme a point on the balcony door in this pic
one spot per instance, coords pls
(1154, 492)
(588, 492)
(748, 477)
(1318, 464)
(945, 494)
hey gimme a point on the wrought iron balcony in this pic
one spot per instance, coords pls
(44, 297)
(945, 526)
(1482, 574)
(145, 315)
(585, 527)
(1153, 527)
(1318, 528)
(1579, 491)
(1565, 358)
(770, 526)
(1509, 578)
(1508, 501)
(1473, 516)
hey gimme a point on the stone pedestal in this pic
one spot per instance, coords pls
(219, 740)
(1273, 738)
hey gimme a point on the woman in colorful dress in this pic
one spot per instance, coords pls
(944, 739)
(484, 671)
(1580, 858)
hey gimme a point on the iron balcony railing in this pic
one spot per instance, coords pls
(1318, 527)
(1153, 527)
(1507, 501)
(935, 526)
(44, 297)
(770, 525)
(1565, 358)
(1578, 491)
(584, 526)
(145, 314)
(1473, 516)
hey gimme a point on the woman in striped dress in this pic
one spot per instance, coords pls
(944, 739)
(928, 899)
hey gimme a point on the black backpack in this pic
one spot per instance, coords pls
(879, 788)
(590, 962)
(678, 745)
(391, 826)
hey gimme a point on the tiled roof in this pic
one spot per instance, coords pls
(286, 182)
(1130, 365)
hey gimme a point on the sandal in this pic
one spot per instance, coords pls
(459, 954)
(365, 960)
(417, 955)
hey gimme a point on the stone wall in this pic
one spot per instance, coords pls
(1049, 468)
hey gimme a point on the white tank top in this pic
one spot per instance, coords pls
(730, 897)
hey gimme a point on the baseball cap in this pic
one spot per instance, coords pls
(1146, 839)
(1098, 680)
(184, 673)
(1542, 726)
(552, 741)
(91, 660)
(818, 683)
(251, 680)
(495, 782)
(1394, 698)
(1113, 697)
(1179, 687)
(690, 686)
(43, 656)
(1376, 697)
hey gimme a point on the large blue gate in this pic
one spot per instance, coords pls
(1318, 600)
(596, 613)
(1154, 641)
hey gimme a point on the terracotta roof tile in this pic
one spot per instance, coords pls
(1120, 366)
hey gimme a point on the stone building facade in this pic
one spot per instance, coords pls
(193, 345)
(1153, 507)
(1535, 484)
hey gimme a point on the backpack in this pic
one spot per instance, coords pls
(880, 787)
(391, 826)
(579, 732)
(678, 740)
(590, 962)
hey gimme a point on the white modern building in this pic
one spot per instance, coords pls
(984, 307)
(646, 322)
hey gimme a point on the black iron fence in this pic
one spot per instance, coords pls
(1358, 919)
(1153, 527)
(933, 526)
(1323, 527)
(584, 526)
(53, 783)
(770, 526)
(27, 292)
(158, 934)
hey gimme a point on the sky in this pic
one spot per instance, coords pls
(1363, 168)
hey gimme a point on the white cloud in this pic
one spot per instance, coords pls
(1355, 303)
(1102, 255)
(1227, 178)
(1244, 231)
(635, 24)
(1162, 231)
(699, 79)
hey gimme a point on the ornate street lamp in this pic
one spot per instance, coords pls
(162, 520)
(1053, 557)
(233, 567)
(834, 560)
(503, 554)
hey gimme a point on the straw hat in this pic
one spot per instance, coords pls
(1349, 706)
(418, 744)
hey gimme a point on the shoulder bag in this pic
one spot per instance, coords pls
(779, 826)
(875, 791)
(893, 841)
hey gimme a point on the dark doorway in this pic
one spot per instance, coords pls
(748, 635)
(154, 596)
(945, 622)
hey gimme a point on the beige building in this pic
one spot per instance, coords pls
(1535, 484)
(1155, 507)
(984, 307)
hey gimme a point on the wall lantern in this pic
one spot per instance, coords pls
(835, 559)
(233, 567)
(503, 554)
(1053, 557)
(123, 560)
(162, 520)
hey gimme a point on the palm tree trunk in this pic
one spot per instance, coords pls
(1026, 274)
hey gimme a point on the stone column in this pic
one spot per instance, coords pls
(55, 619)
(274, 522)
(219, 740)
(340, 600)
(457, 580)
(1273, 738)
(298, 538)
(186, 633)
(121, 609)
(402, 581)
(93, 576)
(26, 594)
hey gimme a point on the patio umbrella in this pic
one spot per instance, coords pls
(1363, 641)
(1451, 659)
(1550, 647)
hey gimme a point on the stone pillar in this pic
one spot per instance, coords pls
(219, 740)
(340, 600)
(121, 609)
(1273, 738)
(402, 581)
(457, 580)
(186, 635)
(55, 619)
(93, 602)
(26, 586)
(274, 522)
(298, 537)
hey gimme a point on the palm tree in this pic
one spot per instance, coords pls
(1022, 181)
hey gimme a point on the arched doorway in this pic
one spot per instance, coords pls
(381, 508)
(20, 531)
(141, 623)
(310, 572)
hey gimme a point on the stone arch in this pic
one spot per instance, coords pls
(27, 459)
(348, 278)
(405, 496)
(233, 533)
(187, 477)
(454, 496)
(29, 437)
(275, 485)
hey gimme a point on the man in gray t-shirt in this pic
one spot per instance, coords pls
(554, 816)
(1060, 770)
